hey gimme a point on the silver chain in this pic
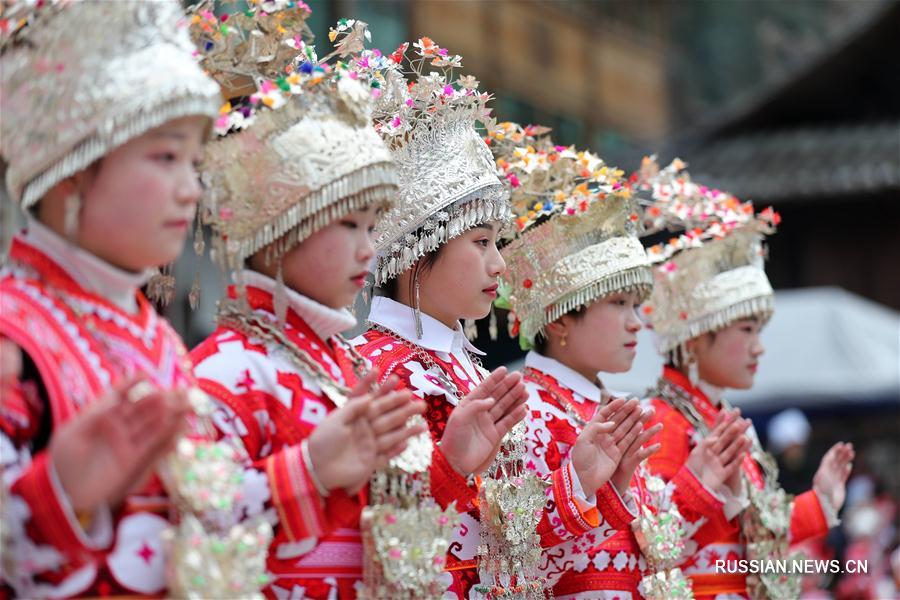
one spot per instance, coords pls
(255, 326)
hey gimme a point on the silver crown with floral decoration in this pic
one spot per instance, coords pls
(448, 182)
(575, 237)
(301, 153)
(713, 273)
(81, 78)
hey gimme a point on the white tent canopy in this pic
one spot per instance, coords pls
(823, 346)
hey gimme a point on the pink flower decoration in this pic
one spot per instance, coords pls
(395, 122)
(513, 180)
(409, 102)
(266, 86)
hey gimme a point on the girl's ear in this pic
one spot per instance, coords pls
(691, 346)
(702, 342)
(559, 328)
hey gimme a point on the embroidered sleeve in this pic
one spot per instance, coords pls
(449, 486)
(808, 517)
(47, 542)
(701, 508)
(254, 405)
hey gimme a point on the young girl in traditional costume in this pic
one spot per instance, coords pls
(710, 301)
(438, 264)
(104, 117)
(296, 184)
(577, 272)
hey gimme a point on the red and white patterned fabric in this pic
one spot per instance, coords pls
(265, 401)
(82, 326)
(401, 353)
(599, 562)
(718, 536)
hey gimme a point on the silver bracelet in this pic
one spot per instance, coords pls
(307, 461)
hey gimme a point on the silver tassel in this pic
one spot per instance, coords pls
(470, 329)
(280, 301)
(161, 287)
(70, 220)
(492, 325)
(417, 313)
(194, 295)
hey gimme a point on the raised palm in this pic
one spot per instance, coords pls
(717, 458)
(830, 479)
(476, 427)
(112, 445)
(354, 440)
(603, 441)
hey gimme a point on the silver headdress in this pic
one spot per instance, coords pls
(300, 152)
(80, 78)
(576, 230)
(448, 182)
(712, 274)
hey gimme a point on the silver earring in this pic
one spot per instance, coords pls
(161, 287)
(693, 368)
(470, 329)
(70, 220)
(416, 311)
(280, 300)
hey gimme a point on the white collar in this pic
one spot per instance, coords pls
(714, 393)
(570, 378)
(92, 273)
(436, 336)
(323, 320)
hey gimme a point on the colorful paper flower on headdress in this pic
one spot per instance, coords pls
(297, 149)
(702, 213)
(429, 117)
(710, 273)
(575, 239)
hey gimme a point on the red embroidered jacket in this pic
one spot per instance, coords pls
(77, 345)
(269, 404)
(392, 357)
(604, 561)
(717, 538)
(565, 516)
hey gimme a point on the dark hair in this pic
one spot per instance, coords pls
(540, 341)
(390, 288)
